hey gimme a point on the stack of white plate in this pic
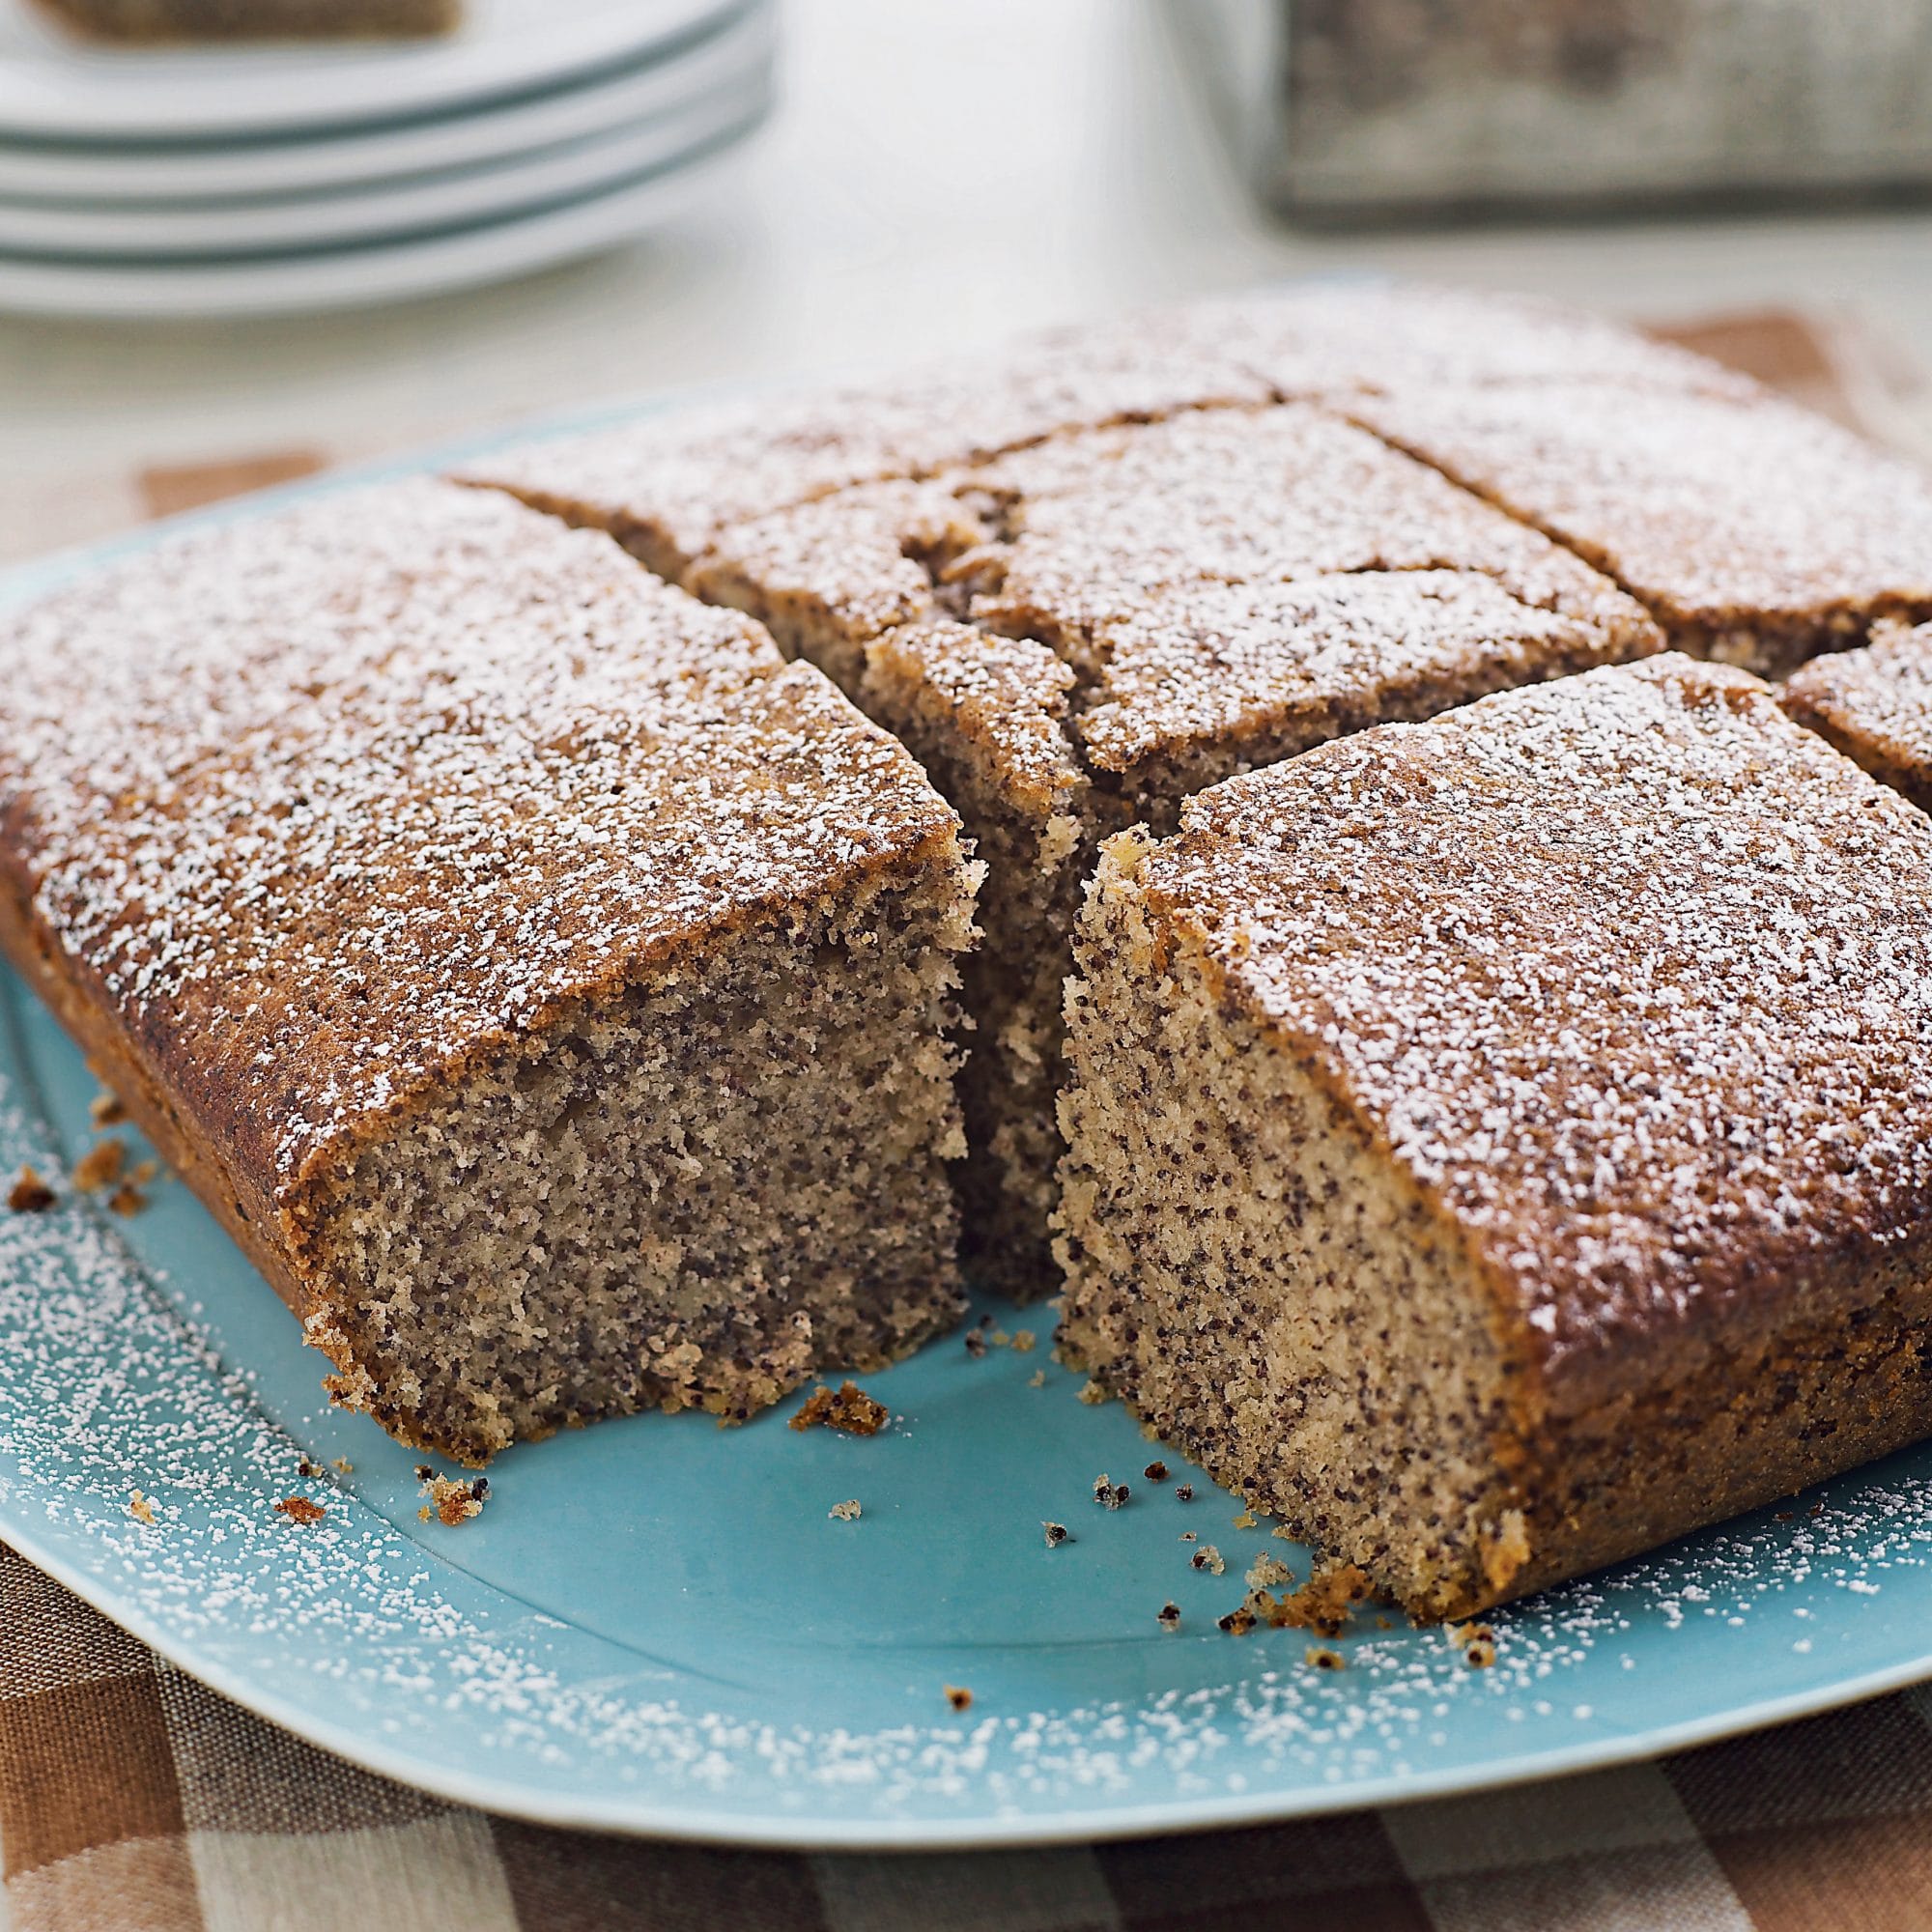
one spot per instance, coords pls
(256, 179)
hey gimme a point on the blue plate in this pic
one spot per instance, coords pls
(657, 1626)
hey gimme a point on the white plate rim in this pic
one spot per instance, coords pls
(356, 277)
(389, 211)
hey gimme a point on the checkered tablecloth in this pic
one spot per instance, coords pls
(131, 1797)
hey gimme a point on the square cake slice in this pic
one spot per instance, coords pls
(546, 983)
(1875, 705)
(1501, 1144)
(1756, 532)
(1080, 633)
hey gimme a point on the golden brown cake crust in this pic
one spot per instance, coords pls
(323, 807)
(1180, 506)
(1875, 705)
(1757, 532)
(1003, 698)
(1632, 975)
(667, 486)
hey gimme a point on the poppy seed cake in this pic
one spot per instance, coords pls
(1875, 705)
(1096, 571)
(1080, 633)
(546, 983)
(1499, 1144)
(1756, 532)
(1091, 576)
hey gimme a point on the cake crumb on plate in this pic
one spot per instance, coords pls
(452, 1500)
(99, 1166)
(30, 1194)
(850, 1410)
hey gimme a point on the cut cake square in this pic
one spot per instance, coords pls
(546, 983)
(1159, 546)
(1755, 531)
(1080, 633)
(1875, 705)
(1499, 1144)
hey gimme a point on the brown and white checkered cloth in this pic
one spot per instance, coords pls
(131, 1798)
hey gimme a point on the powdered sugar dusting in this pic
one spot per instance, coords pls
(1725, 515)
(1245, 496)
(1875, 703)
(1633, 972)
(671, 485)
(1205, 681)
(1009, 692)
(326, 801)
(354, 1632)
(1151, 558)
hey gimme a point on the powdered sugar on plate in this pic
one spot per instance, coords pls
(409, 1648)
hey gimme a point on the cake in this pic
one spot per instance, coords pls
(547, 984)
(667, 485)
(146, 21)
(1103, 569)
(1875, 705)
(1498, 1145)
(1080, 633)
(1755, 531)
(1112, 567)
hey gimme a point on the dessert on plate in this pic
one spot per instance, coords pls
(1498, 1145)
(1088, 578)
(547, 985)
(1498, 1047)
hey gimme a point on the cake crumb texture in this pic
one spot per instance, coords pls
(548, 985)
(1499, 1143)
(1105, 568)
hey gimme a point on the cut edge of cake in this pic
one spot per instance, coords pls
(1349, 352)
(1875, 705)
(1286, 1279)
(533, 1112)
